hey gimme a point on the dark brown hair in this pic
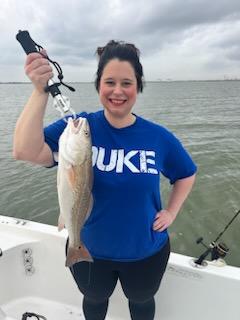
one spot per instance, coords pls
(124, 52)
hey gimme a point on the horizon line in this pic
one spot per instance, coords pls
(167, 80)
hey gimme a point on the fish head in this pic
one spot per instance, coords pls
(75, 144)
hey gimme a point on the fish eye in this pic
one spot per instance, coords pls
(86, 133)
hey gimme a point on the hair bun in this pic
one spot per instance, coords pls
(100, 51)
(114, 43)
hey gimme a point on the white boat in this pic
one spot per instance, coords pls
(34, 279)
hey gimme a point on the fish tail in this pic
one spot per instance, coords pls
(75, 255)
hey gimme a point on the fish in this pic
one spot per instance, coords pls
(74, 186)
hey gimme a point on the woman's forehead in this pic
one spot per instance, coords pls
(118, 68)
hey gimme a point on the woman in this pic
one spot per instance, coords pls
(126, 232)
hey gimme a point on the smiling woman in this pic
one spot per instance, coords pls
(119, 79)
(118, 92)
(126, 231)
(123, 52)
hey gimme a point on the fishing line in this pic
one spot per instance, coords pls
(218, 250)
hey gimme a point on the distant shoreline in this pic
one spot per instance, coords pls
(150, 81)
(24, 82)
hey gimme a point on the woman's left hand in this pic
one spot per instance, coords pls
(163, 220)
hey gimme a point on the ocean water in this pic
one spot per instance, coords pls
(204, 115)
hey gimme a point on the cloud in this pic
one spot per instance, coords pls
(169, 33)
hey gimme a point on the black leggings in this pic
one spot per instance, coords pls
(140, 280)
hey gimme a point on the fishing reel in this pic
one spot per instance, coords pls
(217, 251)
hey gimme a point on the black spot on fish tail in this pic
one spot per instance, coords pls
(75, 255)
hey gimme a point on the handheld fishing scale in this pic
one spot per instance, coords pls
(60, 102)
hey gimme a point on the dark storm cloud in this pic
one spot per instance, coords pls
(71, 30)
(150, 25)
(177, 15)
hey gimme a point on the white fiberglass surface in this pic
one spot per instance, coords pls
(51, 310)
(47, 308)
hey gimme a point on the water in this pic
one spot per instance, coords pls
(206, 118)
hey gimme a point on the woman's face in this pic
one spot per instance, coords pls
(118, 88)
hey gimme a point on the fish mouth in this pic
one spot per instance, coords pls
(77, 124)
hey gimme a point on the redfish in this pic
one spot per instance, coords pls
(74, 185)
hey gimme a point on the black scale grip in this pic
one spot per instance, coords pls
(26, 42)
(29, 46)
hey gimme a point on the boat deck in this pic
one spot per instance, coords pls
(47, 308)
(34, 279)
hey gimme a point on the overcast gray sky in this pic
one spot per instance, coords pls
(178, 39)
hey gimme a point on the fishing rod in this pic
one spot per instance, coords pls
(60, 102)
(217, 250)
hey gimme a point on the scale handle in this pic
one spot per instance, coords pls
(26, 41)
(29, 46)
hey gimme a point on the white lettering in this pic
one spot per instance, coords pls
(118, 159)
(127, 162)
(143, 161)
(119, 168)
(151, 161)
(94, 155)
(112, 162)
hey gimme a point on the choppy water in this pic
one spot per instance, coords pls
(206, 118)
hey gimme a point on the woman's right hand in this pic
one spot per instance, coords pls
(38, 70)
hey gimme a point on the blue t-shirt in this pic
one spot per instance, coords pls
(127, 163)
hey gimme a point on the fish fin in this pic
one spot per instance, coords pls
(75, 255)
(71, 176)
(61, 223)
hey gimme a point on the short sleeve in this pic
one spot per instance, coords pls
(177, 163)
(53, 132)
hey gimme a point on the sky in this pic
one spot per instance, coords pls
(178, 39)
